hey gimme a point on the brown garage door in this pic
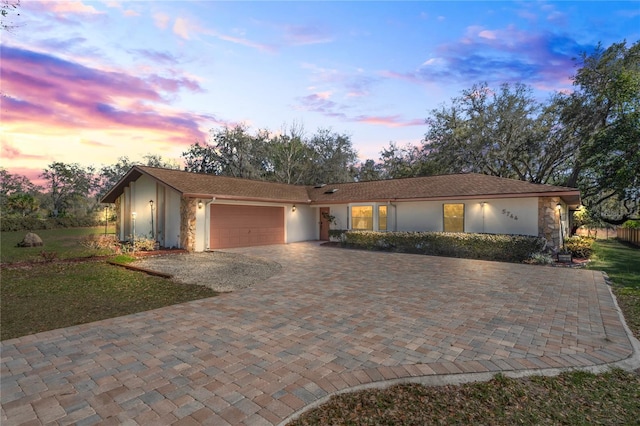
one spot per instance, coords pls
(244, 226)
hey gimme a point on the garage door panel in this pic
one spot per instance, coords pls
(243, 226)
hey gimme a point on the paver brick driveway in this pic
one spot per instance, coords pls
(332, 320)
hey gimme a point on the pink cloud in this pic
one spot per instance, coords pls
(299, 35)
(181, 28)
(161, 20)
(543, 60)
(30, 173)
(65, 8)
(63, 94)
(389, 121)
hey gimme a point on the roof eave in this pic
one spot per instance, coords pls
(241, 198)
(572, 198)
(118, 189)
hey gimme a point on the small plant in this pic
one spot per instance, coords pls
(49, 256)
(579, 247)
(329, 218)
(540, 259)
(139, 244)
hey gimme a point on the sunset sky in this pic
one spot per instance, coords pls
(87, 82)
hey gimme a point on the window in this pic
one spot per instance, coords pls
(362, 217)
(453, 217)
(382, 218)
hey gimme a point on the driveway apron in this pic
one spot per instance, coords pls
(332, 320)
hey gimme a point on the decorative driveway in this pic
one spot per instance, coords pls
(331, 321)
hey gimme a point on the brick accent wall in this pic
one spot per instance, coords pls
(188, 224)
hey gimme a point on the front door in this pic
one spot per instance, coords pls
(324, 223)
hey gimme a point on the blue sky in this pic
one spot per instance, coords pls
(89, 81)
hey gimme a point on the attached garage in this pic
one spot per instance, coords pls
(244, 226)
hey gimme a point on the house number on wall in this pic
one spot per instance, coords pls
(509, 214)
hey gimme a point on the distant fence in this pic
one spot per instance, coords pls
(629, 234)
(599, 233)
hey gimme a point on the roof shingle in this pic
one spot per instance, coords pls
(470, 185)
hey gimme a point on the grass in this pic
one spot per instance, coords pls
(37, 296)
(63, 242)
(621, 262)
(575, 398)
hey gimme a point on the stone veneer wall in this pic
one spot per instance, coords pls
(119, 215)
(548, 221)
(188, 224)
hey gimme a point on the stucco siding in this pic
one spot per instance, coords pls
(301, 225)
(172, 221)
(506, 216)
(341, 214)
(501, 216)
(419, 216)
(142, 191)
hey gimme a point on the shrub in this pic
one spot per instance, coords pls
(336, 235)
(633, 224)
(34, 223)
(141, 244)
(100, 242)
(509, 248)
(580, 247)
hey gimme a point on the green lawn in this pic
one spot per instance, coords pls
(38, 296)
(65, 243)
(621, 262)
(44, 296)
(573, 398)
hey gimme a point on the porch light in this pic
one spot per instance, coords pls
(151, 204)
(200, 204)
(293, 209)
(559, 206)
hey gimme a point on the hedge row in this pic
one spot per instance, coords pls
(33, 223)
(505, 248)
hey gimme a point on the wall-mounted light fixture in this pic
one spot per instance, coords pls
(200, 204)
(559, 206)
(293, 209)
(483, 203)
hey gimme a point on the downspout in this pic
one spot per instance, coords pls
(207, 225)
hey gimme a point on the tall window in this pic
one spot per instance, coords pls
(362, 217)
(453, 217)
(382, 218)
